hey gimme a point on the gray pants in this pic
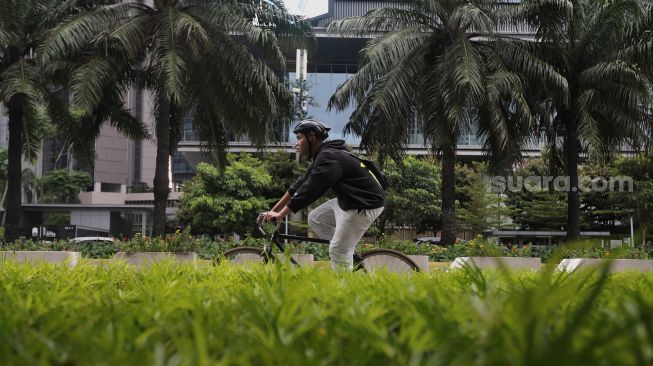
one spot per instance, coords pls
(343, 228)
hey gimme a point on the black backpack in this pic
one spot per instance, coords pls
(374, 169)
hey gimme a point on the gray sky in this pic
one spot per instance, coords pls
(311, 7)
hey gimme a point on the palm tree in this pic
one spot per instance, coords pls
(20, 91)
(27, 90)
(603, 50)
(208, 54)
(436, 63)
(640, 43)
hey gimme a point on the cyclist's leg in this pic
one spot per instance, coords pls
(350, 227)
(322, 219)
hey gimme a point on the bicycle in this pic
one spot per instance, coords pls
(368, 261)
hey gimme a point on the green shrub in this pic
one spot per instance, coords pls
(477, 247)
(181, 241)
(403, 246)
(36, 245)
(212, 250)
(95, 250)
(271, 315)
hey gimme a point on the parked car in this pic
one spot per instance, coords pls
(93, 239)
(430, 240)
(427, 240)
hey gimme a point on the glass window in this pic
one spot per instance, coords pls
(188, 134)
(180, 165)
(321, 86)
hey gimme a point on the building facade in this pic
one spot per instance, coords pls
(331, 63)
(123, 169)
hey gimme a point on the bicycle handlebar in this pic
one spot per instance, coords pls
(259, 231)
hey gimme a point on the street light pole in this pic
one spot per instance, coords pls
(632, 235)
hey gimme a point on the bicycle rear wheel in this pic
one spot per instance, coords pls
(387, 259)
(243, 255)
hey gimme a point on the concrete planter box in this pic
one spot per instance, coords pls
(301, 259)
(146, 258)
(422, 261)
(496, 262)
(69, 258)
(616, 265)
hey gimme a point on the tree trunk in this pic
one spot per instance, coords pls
(161, 181)
(643, 237)
(381, 221)
(448, 196)
(573, 202)
(14, 162)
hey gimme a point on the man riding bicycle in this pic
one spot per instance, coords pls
(360, 198)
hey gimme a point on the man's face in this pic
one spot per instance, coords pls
(302, 145)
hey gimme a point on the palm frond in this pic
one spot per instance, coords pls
(393, 95)
(506, 124)
(382, 20)
(6, 37)
(22, 77)
(112, 109)
(377, 58)
(387, 106)
(521, 57)
(467, 71)
(639, 40)
(224, 20)
(608, 24)
(169, 58)
(615, 72)
(37, 126)
(588, 126)
(90, 79)
(74, 35)
(471, 17)
(440, 8)
(238, 92)
(378, 135)
(79, 132)
(195, 33)
(211, 131)
(547, 17)
(130, 35)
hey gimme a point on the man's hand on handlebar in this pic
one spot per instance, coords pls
(268, 217)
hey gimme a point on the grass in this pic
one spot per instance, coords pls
(170, 314)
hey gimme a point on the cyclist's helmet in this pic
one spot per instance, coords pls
(320, 129)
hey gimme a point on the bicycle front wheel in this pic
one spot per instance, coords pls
(388, 260)
(243, 255)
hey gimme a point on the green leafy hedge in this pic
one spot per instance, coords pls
(211, 250)
(272, 315)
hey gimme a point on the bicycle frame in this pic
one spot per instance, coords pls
(277, 238)
(380, 257)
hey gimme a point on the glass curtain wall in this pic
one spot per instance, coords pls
(322, 80)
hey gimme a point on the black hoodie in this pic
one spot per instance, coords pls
(333, 167)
